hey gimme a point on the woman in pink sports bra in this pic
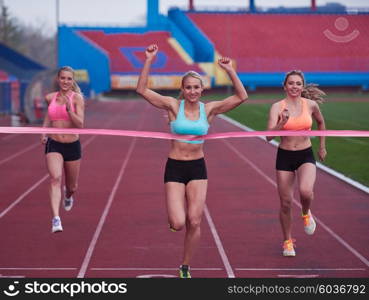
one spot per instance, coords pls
(65, 109)
(295, 157)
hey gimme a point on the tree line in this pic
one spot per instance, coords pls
(27, 40)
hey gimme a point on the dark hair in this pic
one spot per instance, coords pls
(310, 91)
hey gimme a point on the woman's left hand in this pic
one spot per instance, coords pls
(322, 153)
(67, 106)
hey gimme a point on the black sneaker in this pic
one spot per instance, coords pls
(184, 271)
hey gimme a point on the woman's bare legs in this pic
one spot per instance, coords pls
(196, 196)
(71, 169)
(185, 206)
(285, 180)
(54, 162)
(306, 174)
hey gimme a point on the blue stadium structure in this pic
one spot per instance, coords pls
(16, 73)
(329, 44)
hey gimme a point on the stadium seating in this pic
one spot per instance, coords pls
(126, 52)
(281, 42)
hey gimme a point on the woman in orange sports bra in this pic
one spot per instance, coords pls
(65, 109)
(295, 157)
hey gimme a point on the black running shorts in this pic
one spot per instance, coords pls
(289, 160)
(69, 151)
(184, 171)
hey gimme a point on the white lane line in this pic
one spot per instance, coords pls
(41, 269)
(330, 231)
(301, 269)
(343, 177)
(21, 197)
(218, 242)
(19, 153)
(152, 269)
(100, 225)
(298, 276)
(328, 170)
(9, 137)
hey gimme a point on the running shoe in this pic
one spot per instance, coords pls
(172, 229)
(68, 202)
(288, 248)
(184, 271)
(309, 223)
(56, 225)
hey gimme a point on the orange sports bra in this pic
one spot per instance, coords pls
(301, 122)
(59, 112)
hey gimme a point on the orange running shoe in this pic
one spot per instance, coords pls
(309, 223)
(288, 247)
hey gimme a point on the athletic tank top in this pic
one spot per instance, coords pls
(182, 125)
(302, 121)
(59, 112)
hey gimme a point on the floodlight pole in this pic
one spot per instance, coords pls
(57, 32)
(190, 5)
(252, 6)
(313, 5)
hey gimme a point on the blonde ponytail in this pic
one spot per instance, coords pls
(76, 88)
(312, 92)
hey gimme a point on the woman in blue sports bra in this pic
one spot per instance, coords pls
(185, 174)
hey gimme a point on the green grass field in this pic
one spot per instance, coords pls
(347, 155)
(342, 111)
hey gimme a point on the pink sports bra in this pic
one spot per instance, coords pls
(59, 112)
(301, 122)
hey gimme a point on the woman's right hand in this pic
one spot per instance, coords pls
(283, 118)
(151, 51)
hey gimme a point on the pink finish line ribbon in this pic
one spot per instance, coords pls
(169, 136)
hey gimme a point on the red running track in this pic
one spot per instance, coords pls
(118, 226)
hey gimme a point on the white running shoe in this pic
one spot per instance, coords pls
(56, 225)
(68, 202)
(309, 223)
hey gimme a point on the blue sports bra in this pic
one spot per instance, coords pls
(182, 125)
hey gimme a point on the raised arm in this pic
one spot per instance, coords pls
(318, 117)
(276, 119)
(240, 94)
(151, 96)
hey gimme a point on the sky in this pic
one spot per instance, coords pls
(42, 14)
